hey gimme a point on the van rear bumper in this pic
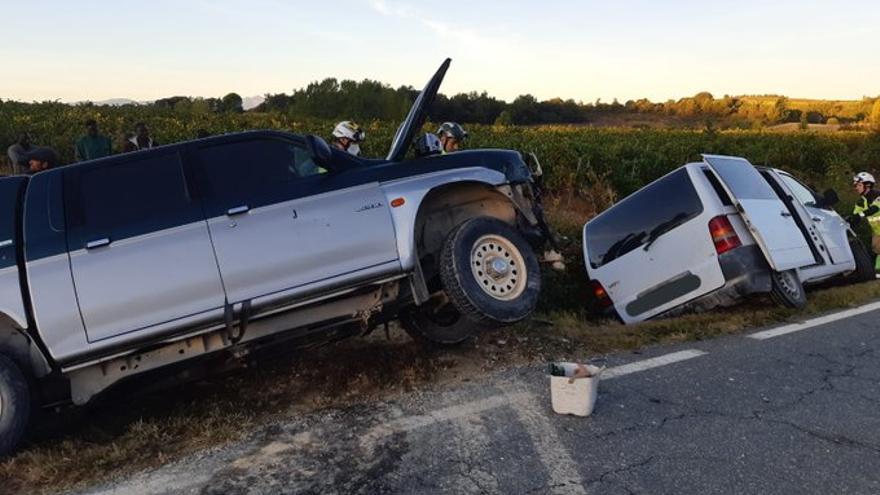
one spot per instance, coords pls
(745, 270)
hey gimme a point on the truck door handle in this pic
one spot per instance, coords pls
(785, 213)
(238, 210)
(817, 219)
(98, 243)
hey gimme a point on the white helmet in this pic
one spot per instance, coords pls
(350, 130)
(863, 177)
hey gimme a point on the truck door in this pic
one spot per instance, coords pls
(766, 216)
(279, 224)
(140, 253)
(653, 250)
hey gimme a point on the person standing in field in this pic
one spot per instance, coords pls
(93, 145)
(452, 136)
(868, 207)
(17, 151)
(348, 136)
(141, 139)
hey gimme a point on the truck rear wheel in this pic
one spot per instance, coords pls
(15, 405)
(787, 289)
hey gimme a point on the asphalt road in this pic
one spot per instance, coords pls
(793, 413)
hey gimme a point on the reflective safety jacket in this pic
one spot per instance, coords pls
(868, 206)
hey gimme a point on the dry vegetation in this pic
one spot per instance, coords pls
(132, 429)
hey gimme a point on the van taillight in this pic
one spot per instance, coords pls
(600, 294)
(723, 235)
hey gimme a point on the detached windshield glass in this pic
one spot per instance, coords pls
(642, 217)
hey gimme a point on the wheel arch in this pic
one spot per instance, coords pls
(20, 347)
(443, 209)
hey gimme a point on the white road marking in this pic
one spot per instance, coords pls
(561, 467)
(822, 320)
(655, 362)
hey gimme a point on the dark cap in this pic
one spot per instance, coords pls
(42, 153)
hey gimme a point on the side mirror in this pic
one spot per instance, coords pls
(319, 150)
(829, 199)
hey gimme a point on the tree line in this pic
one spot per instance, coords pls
(372, 100)
(369, 100)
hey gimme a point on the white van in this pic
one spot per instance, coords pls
(711, 232)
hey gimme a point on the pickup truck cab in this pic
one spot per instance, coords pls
(115, 267)
(711, 232)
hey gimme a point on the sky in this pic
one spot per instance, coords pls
(583, 50)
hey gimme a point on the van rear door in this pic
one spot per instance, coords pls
(766, 216)
(653, 250)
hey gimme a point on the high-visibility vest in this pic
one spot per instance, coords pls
(862, 204)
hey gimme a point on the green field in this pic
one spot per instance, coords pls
(575, 157)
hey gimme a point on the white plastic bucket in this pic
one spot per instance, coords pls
(575, 396)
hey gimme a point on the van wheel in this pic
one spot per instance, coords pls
(864, 271)
(787, 289)
(490, 273)
(15, 405)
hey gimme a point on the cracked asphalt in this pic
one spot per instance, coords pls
(791, 414)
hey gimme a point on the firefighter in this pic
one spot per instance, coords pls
(452, 135)
(868, 207)
(348, 136)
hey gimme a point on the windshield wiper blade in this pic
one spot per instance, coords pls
(617, 249)
(664, 228)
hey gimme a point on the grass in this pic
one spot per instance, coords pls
(130, 430)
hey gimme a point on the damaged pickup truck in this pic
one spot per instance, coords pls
(712, 232)
(115, 267)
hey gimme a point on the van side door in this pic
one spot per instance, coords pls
(140, 253)
(831, 228)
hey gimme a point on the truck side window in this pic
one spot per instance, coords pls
(254, 172)
(121, 200)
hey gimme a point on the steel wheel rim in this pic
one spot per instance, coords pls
(498, 267)
(787, 283)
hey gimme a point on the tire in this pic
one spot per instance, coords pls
(471, 308)
(15, 405)
(864, 271)
(490, 273)
(436, 326)
(787, 290)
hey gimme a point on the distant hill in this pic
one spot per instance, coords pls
(249, 102)
(117, 102)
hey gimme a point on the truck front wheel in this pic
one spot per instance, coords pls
(490, 273)
(15, 404)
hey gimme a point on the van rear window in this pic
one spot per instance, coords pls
(643, 216)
